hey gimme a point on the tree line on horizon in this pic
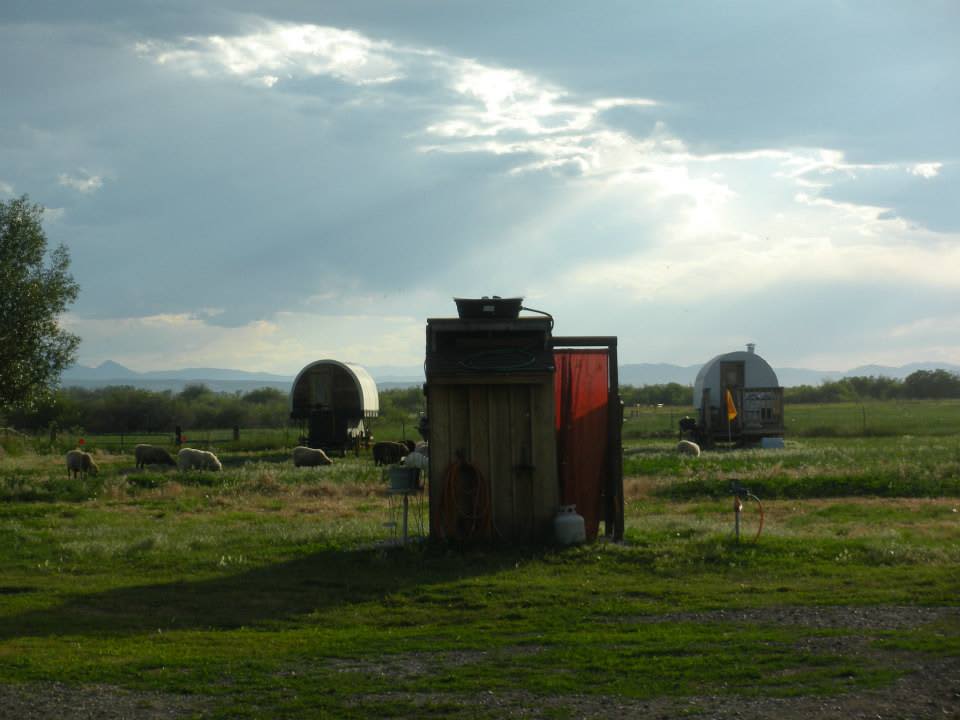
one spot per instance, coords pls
(126, 409)
(919, 385)
(36, 288)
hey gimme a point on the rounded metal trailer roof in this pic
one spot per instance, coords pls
(366, 386)
(757, 373)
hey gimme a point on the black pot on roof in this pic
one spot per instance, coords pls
(494, 307)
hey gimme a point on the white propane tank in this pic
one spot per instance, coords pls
(568, 526)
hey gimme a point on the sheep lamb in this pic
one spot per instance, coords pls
(417, 459)
(193, 459)
(80, 463)
(304, 456)
(152, 455)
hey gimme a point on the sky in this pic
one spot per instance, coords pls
(256, 186)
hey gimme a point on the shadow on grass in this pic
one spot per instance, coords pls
(272, 593)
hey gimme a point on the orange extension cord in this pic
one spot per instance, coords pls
(477, 517)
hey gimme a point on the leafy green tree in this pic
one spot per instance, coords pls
(402, 401)
(230, 411)
(265, 395)
(829, 391)
(121, 408)
(195, 392)
(932, 384)
(268, 407)
(35, 289)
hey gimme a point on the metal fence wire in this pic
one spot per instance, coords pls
(842, 419)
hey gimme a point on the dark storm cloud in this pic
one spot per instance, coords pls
(732, 77)
(470, 148)
(877, 82)
(225, 196)
(131, 18)
(926, 201)
(251, 199)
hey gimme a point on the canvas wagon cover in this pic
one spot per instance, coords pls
(365, 384)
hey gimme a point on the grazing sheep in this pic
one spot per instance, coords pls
(685, 447)
(417, 459)
(152, 455)
(388, 453)
(192, 459)
(309, 457)
(80, 463)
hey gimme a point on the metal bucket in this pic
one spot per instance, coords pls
(488, 307)
(403, 479)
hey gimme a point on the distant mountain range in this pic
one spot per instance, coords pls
(217, 379)
(394, 376)
(662, 373)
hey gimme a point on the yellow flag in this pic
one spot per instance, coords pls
(731, 408)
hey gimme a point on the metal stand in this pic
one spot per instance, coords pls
(740, 494)
(404, 508)
(737, 509)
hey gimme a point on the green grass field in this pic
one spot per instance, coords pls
(267, 591)
(828, 420)
(871, 418)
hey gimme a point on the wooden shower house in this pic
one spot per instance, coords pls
(331, 400)
(754, 391)
(520, 423)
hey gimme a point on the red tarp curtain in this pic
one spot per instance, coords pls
(581, 396)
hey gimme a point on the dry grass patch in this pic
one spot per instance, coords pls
(420, 664)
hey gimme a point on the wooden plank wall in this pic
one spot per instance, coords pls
(505, 430)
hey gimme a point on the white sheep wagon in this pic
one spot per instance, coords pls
(331, 400)
(738, 397)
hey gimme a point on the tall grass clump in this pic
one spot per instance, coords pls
(13, 444)
(35, 488)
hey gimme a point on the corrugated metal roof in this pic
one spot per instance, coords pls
(757, 373)
(366, 385)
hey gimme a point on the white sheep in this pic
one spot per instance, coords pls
(193, 459)
(416, 459)
(80, 463)
(304, 456)
(152, 455)
(686, 447)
